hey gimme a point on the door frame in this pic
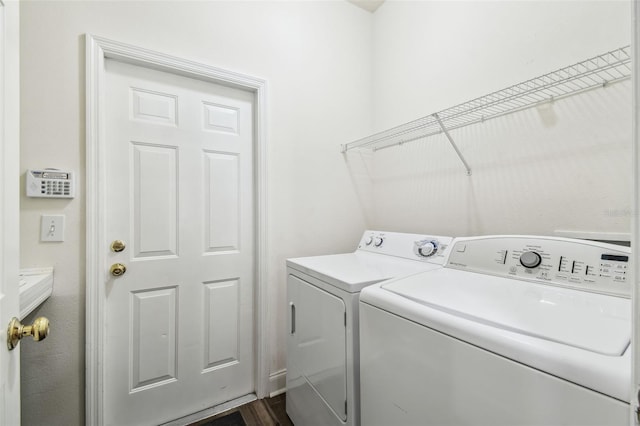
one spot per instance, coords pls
(98, 49)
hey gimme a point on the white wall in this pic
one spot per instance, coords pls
(315, 56)
(562, 167)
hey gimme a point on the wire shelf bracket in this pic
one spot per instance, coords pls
(599, 71)
(453, 144)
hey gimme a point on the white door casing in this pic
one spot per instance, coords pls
(159, 251)
(9, 210)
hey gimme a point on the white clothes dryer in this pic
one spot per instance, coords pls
(322, 343)
(514, 330)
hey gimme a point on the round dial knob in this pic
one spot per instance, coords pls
(368, 241)
(530, 259)
(378, 241)
(427, 248)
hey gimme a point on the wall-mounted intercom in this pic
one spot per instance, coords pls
(50, 183)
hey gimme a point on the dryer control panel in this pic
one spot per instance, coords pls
(581, 264)
(426, 248)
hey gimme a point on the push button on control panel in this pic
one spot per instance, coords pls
(614, 267)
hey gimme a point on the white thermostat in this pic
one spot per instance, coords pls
(50, 183)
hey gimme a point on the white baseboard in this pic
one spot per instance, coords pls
(277, 383)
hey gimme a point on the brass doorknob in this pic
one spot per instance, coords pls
(117, 269)
(39, 330)
(118, 246)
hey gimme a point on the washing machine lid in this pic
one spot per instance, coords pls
(589, 321)
(352, 272)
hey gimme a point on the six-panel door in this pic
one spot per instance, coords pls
(179, 179)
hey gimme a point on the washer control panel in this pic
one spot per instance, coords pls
(581, 264)
(427, 248)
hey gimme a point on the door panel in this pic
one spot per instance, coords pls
(9, 213)
(221, 118)
(155, 201)
(154, 336)
(222, 324)
(157, 108)
(180, 189)
(222, 189)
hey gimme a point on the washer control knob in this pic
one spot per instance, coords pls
(378, 241)
(426, 248)
(368, 241)
(530, 259)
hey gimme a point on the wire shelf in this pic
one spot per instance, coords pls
(598, 71)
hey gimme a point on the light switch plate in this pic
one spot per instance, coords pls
(52, 228)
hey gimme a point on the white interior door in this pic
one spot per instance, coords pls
(9, 213)
(179, 192)
(635, 225)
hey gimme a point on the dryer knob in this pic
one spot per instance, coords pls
(378, 241)
(427, 248)
(530, 259)
(368, 241)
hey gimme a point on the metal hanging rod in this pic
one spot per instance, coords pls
(598, 71)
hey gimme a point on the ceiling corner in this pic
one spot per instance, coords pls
(368, 5)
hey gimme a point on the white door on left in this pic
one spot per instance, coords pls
(9, 202)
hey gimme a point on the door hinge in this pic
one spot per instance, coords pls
(345, 407)
(345, 319)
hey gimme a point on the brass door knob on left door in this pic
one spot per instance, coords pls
(117, 269)
(39, 330)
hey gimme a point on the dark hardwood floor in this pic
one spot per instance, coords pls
(262, 412)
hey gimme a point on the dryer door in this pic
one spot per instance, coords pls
(316, 359)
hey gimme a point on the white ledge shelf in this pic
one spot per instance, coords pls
(595, 72)
(35, 286)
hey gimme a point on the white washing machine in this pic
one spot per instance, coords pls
(322, 343)
(514, 330)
